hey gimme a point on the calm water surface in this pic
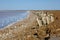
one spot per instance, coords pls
(7, 18)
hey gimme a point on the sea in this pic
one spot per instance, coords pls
(7, 18)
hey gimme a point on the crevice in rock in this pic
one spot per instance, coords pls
(56, 18)
(47, 38)
(47, 32)
(36, 35)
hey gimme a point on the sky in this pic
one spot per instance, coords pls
(29, 4)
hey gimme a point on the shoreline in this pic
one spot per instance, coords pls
(7, 26)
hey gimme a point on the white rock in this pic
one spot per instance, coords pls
(48, 19)
(39, 22)
(15, 27)
(7, 34)
(44, 20)
(52, 18)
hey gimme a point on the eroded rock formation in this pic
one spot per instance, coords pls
(39, 25)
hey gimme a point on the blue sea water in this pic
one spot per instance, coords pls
(7, 18)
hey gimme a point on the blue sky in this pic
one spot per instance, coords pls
(29, 4)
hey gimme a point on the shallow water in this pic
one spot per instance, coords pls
(7, 18)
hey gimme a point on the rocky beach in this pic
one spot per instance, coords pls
(38, 25)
